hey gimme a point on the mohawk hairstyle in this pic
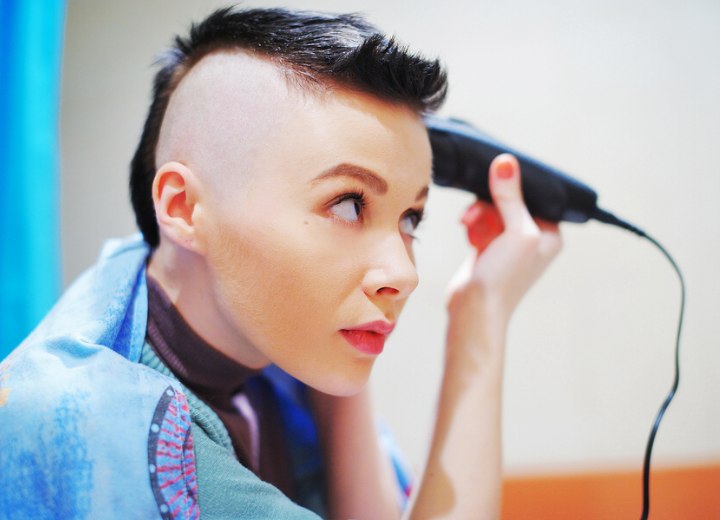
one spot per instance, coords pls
(315, 49)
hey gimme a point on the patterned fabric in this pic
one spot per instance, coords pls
(222, 480)
(171, 458)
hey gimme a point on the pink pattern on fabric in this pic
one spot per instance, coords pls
(171, 458)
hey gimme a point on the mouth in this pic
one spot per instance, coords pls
(370, 337)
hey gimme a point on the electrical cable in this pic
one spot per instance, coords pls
(673, 390)
(609, 218)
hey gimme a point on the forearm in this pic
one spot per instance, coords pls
(360, 479)
(462, 476)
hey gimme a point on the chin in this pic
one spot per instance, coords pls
(341, 384)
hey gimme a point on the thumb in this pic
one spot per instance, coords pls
(506, 191)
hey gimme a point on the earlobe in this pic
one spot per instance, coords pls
(174, 194)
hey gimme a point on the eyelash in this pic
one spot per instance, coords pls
(357, 196)
(416, 215)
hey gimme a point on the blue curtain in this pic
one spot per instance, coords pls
(31, 37)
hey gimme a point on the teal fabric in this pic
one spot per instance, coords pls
(226, 488)
(31, 34)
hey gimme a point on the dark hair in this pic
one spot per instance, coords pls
(314, 48)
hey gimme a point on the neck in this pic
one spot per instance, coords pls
(184, 277)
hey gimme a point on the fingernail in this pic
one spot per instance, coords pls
(471, 214)
(505, 170)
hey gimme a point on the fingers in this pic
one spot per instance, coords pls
(485, 221)
(551, 239)
(483, 224)
(506, 192)
(546, 225)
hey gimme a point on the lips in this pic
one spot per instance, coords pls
(368, 338)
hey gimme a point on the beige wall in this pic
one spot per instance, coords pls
(625, 95)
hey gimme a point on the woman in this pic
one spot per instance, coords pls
(281, 173)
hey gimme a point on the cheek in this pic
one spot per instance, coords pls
(276, 284)
(288, 294)
(267, 280)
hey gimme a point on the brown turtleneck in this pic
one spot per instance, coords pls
(245, 404)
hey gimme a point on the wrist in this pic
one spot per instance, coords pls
(477, 318)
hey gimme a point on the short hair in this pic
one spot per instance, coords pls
(313, 48)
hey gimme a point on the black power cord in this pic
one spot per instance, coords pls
(671, 394)
(609, 218)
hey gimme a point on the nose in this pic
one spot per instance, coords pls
(392, 273)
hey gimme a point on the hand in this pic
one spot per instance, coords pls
(511, 249)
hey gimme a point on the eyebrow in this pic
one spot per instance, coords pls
(367, 177)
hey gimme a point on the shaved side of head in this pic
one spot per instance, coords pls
(221, 113)
(249, 62)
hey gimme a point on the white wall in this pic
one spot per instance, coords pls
(624, 95)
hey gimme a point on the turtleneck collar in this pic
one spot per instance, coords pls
(212, 375)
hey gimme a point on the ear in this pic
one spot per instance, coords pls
(175, 197)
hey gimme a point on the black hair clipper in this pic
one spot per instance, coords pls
(461, 159)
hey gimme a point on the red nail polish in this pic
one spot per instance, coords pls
(471, 214)
(505, 170)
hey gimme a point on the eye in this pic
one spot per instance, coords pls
(410, 221)
(349, 207)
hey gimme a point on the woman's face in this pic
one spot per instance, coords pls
(311, 255)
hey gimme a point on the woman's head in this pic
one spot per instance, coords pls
(314, 51)
(286, 214)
